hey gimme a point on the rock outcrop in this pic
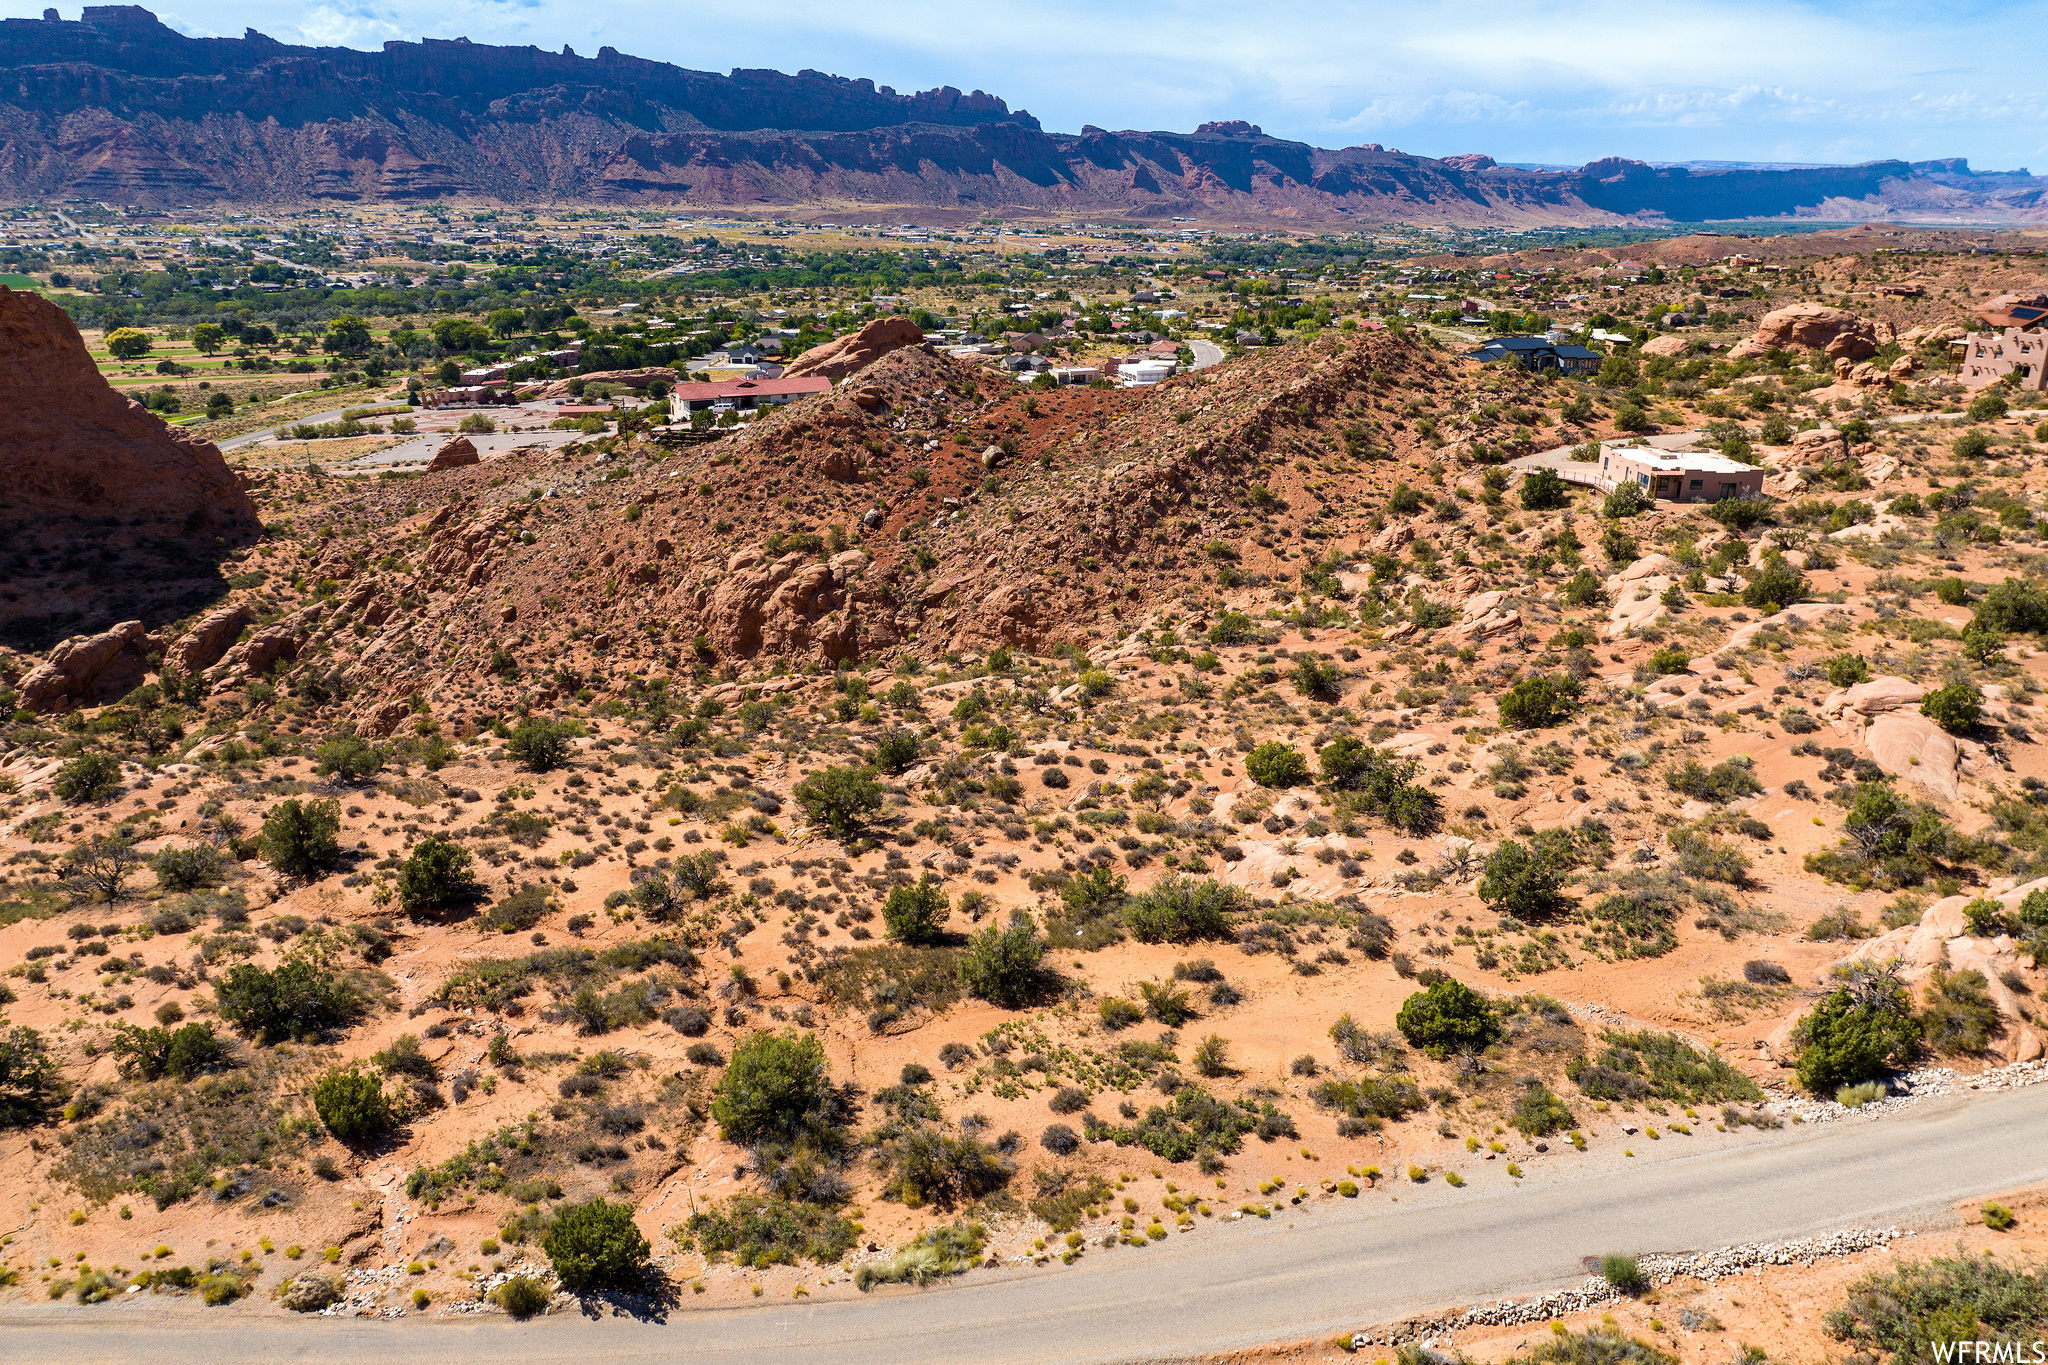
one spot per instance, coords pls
(455, 452)
(75, 447)
(91, 668)
(1837, 332)
(632, 379)
(1942, 937)
(203, 646)
(835, 360)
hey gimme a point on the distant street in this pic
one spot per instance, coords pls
(1308, 1272)
(1207, 353)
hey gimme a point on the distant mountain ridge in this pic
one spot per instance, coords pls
(117, 106)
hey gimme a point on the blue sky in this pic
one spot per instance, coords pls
(1691, 79)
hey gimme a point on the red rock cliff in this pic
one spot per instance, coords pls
(70, 444)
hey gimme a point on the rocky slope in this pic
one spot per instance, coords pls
(96, 483)
(117, 106)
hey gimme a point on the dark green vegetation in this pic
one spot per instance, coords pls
(1448, 1017)
(1910, 1308)
(353, 1105)
(595, 1246)
(1644, 1065)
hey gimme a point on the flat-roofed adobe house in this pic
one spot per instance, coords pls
(1679, 475)
(1988, 357)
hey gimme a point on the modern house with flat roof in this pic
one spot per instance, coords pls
(1538, 353)
(1679, 475)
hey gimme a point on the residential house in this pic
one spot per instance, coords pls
(740, 395)
(1989, 357)
(1675, 475)
(1538, 353)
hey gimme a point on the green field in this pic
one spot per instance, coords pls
(19, 282)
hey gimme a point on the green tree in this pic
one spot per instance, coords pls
(775, 1086)
(1846, 670)
(1274, 764)
(88, 778)
(1775, 584)
(436, 877)
(1618, 545)
(460, 334)
(1846, 1040)
(1448, 1017)
(1539, 702)
(916, 912)
(1987, 406)
(299, 999)
(596, 1246)
(1971, 445)
(1230, 628)
(129, 343)
(1525, 882)
(2014, 607)
(1542, 490)
(346, 336)
(1004, 965)
(29, 1078)
(542, 745)
(839, 799)
(1739, 514)
(1955, 708)
(353, 1105)
(207, 338)
(1315, 678)
(503, 322)
(896, 751)
(1179, 909)
(1625, 501)
(154, 1053)
(349, 756)
(300, 837)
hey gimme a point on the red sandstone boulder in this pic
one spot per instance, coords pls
(1810, 327)
(455, 452)
(90, 668)
(856, 351)
(69, 444)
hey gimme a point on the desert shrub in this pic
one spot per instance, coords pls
(896, 751)
(1525, 881)
(1740, 514)
(1379, 1098)
(1669, 659)
(1913, 1309)
(760, 1231)
(353, 1105)
(542, 745)
(1623, 1274)
(2014, 607)
(310, 1292)
(1166, 1002)
(1955, 708)
(29, 1077)
(349, 757)
(1959, 1017)
(299, 837)
(522, 1296)
(188, 868)
(436, 877)
(1380, 783)
(1274, 764)
(1797, 720)
(1724, 782)
(1846, 670)
(154, 1053)
(1889, 841)
(1192, 1121)
(1118, 1013)
(776, 1087)
(1448, 1016)
(1539, 1113)
(839, 799)
(1180, 909)
(1005, 965)
(1855, 1035)
(934, 1255)
(1539, 702)
(1059, 1139)
(1645, 1064)
(298, 999)
(927, 1166)
(595, 1246)
(520, 911)
(916, 913)
(87, 779)
(1543, 489)
(1775, 584)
